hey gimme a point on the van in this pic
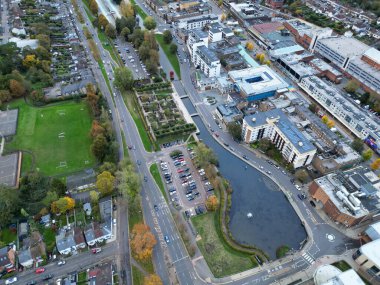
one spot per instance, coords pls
(130, 57)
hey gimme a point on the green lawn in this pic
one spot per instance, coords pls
(137, 276)
(157, 177)
(7, 236)
(82, 277)
(57, 135)
(140, 11)
(222, 260)
(171, 57)
(49, 238)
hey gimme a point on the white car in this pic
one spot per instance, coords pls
(61, 262)
(114, 222)
(11, 280)
(298, 187)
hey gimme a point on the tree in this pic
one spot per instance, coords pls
(150, 23)
(220, 3)
(142, 242)
(154, 57)
(313, 108)
(123, 78)
(94, 7)
(330, 124)
(105, 183)
(57, 186)
(137, 37)
(102, 21)
(235, 131)
(173, 48)
(33, 189)
(127, 9)
(5, 96)
(128, 182)
(152, 279)
(376, 164)
(131, 23)
(367, 154)
(51, 196)
(44, 41)
(205, 155)
(357, 145)
(108, 166)
(301, 175)
(352, 86)
(125, 32)
(9, 204)
(151, 67)
(167, 37)
(212, 203)
(264, 144)
(94, 197)
(223, 17)
(365, 97)
(96, 129)
(249, 46)
(30, 60)
(62, 205)
(99, 147)
(325, 119)
(144, 51)
(110, 31)
(17, 88)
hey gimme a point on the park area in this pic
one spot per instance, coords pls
(222, 260)
(55, 139)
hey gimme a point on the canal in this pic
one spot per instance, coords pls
(274, 222)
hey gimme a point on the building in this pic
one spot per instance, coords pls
(257, 83)
(275, 126)
(350, 115)
(330, 275)
(197, 22)
(25, 258)
(176, 11)
(207, 61)
(275, 4)
(307, 34)
(340, 50)
(228, 113)
(326, 70)
(97, 233)
(7, 258)
(349, 197)
(247, 14)
(65, 242)
(258, 30)
(373, 231)
(368, 258)
(295, 65)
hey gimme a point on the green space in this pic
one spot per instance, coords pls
(27, 161)
(282, 250)
(132, 108)
(222, 259)
(57, 135)
(8, 236)
(157, 177)
(137, 276)
(88, 10)
(140, 11)
(49, 238)
(171, 57)
(82, 277)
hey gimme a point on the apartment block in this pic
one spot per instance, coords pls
(197, 22)
(275, 126)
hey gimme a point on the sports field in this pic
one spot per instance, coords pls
(57, 135)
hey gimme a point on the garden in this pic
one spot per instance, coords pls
(164, 119)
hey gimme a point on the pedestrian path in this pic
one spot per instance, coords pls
(308, 258)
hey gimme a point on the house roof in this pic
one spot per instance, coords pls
(65, 240)
(78, 236)
(24, 256)
(4, 259)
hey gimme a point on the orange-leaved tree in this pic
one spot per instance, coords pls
(212, 203)
(142, 241)
(152, 279)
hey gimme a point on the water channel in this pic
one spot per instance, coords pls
(274, 221)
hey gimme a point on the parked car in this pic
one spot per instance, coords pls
(11, 280)
(167, 239)
(96, 250)
(40, 270)
(47, 277)
(156, 208)
(31, 283)
(61, 262)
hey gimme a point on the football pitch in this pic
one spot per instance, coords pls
(56, 135)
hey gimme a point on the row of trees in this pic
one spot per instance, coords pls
(329, 123)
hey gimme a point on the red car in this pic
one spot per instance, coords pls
(180, 170)
(40, 270)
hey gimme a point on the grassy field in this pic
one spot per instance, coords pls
(172, 57)
(140, 11)
(82, 277)
(137, 276)
(221, 259)
(57, 135)
(7, 236)
(157, 177)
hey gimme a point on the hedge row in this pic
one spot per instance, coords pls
(154, 86)
(175, 130)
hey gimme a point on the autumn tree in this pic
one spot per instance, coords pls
(96, 129)
(330, 124)
(102, 21)
(325, 119)
(223, 17)
(367, 154)
(127, 9)
(220, 3)
(150, 23)
(94, 7)
(105, 183)
(352, 86)
(17, 88)
(376, 164)
(94, 196)
(99, 147)
(142, 242)
(30, 60)
(152, 279)
(212, 203)
(62, 205)
(249, 46)
(110, 31)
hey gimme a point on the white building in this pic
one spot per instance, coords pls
(197, 22)
(330, 275)
(275, 126)
(368, 257)
(350, 115)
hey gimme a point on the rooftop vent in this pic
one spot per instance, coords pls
(300, 143)
(253, 119)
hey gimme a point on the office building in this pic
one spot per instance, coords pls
(350, 115)
(275, 126)
(257, 83)
(247, 13)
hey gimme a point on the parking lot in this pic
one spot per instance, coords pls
(187, 186)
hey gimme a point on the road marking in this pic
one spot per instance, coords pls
(182, 258)
(308, 258)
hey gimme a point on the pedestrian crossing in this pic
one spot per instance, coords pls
(308, 258)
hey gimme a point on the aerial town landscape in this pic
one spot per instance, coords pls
(162, 142)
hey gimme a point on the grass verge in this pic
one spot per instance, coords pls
(173, 59)
(222, 260)
(157, 177)
(57, 135)
(82, 277)
(137, 276)
(140, 11)
(282, 250)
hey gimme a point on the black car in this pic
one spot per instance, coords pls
(31, 282)
(47, 277)
(245, 157)
(156, 208)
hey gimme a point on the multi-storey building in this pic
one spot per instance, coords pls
(275, 126)
(368, 258)
(197, 22)
(351, 116)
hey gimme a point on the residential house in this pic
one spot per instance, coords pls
(79, 238)
(45, 220)
(87, 209)
(25, 258)
(7, 258)
(65, 242)
(95, 233)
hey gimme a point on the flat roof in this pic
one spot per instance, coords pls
(268, 27)
(9, 169)
(322, 65)
(373, 54)
(357, 60)
(349, 277)
(257, 80)
(8, 122)
(372, 252)
(295, 136)
(207, 54)
(373, 231)
(345, 46)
